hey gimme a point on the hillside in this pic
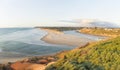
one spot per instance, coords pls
(100, 56)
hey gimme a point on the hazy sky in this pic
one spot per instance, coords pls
(15, 13)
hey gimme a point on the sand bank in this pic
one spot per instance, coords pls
(57, 37)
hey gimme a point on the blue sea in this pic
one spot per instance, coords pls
(26, 42)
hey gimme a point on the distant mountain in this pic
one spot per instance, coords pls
(93, 23)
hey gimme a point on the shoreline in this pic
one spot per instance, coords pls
(53, 37)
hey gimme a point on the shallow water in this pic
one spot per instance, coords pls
(25, 42)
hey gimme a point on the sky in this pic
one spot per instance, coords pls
(30, 13)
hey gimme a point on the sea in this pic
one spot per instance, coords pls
(26, 42)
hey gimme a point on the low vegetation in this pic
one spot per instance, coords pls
(100, 56)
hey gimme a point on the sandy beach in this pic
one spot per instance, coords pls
(57, 37)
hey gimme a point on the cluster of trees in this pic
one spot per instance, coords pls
(101, 56)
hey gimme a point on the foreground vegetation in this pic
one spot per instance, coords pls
(100, 56)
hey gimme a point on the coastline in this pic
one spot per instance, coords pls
(53, 37)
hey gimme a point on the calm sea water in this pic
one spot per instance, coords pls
(23, 42)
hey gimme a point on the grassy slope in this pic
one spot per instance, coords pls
(100, 56)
